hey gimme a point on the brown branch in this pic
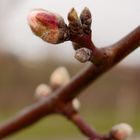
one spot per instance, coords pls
(126, 45)
(111, 55)
(26, 117)
(68, 111)
(84, 127)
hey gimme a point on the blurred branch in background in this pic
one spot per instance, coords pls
(16, 90)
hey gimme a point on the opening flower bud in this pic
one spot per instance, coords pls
(42, 90)
(59, 77)
(121, 131)
(48, 26)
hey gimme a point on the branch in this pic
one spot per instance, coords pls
(26, 117)
(111, 56)
(44, 107)
(126, 45)
(83, 126)
(52, 28)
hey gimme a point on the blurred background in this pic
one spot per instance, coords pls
(26, 61)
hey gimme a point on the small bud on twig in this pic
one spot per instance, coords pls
(42, 90)
(76, 104)
(59, 77)
(86, 20)
(48, 26)
(121, 131)
(74, 23)
(73, 16)
(83, 54)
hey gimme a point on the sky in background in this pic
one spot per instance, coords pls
(112, 19)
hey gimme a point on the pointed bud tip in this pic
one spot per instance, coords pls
(72, 16)
(32, 21)
(86, 9)
(32, 14)
(85, 14)
(31, 17)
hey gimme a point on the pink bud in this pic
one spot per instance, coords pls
(48, 26)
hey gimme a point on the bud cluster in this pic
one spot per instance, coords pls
(58, 78)
(52, 28)
(81, 25)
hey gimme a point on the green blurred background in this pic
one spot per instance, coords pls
(112, 99)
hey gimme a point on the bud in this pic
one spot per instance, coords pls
(74, 23)
(59, 77)
(76, 104)
(73, 16)
(86, 20)
(83, 54)
(121, 131)
(42, 90)
(48, 26)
